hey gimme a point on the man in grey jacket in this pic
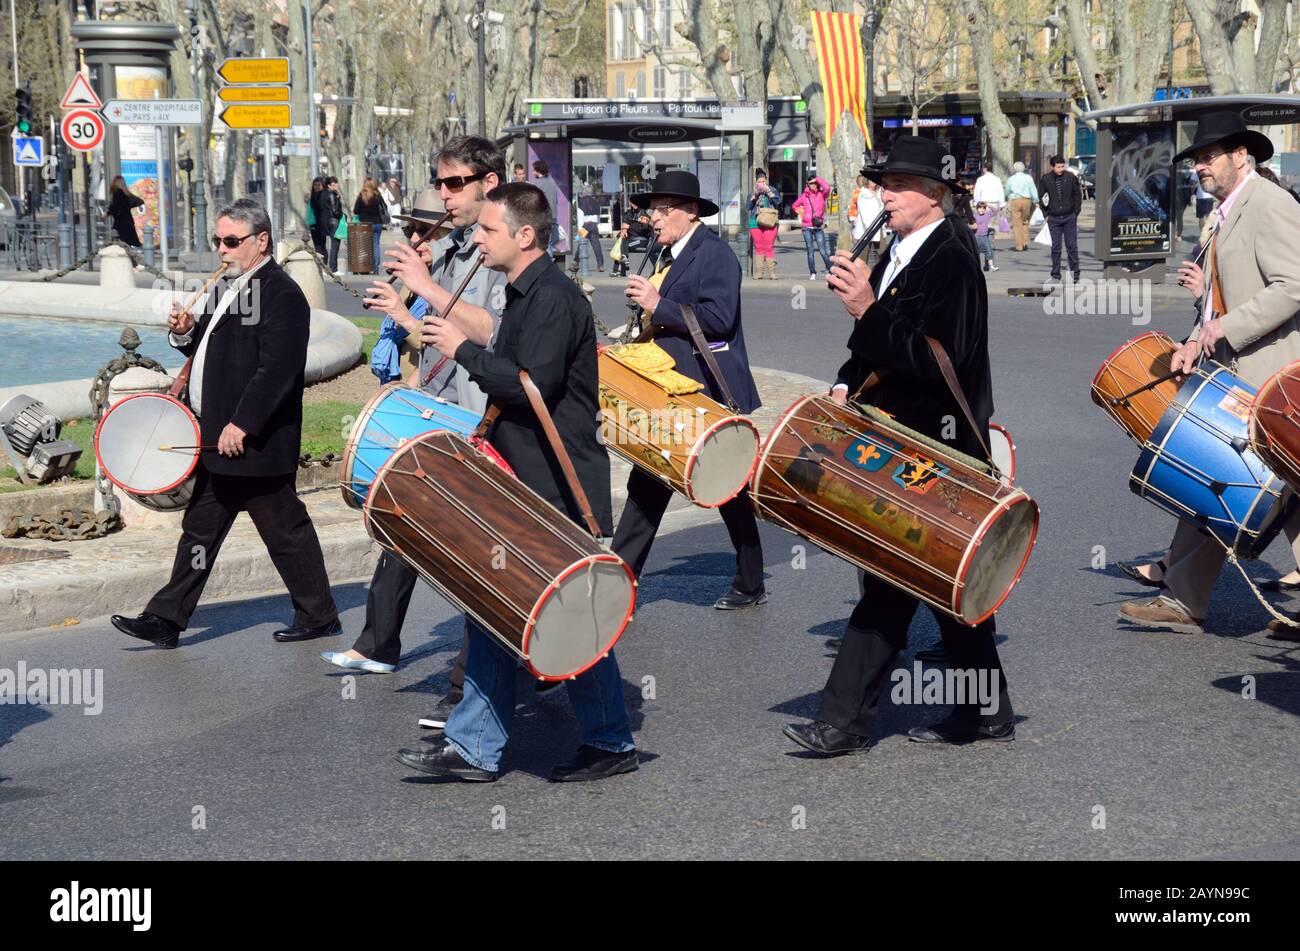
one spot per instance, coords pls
(542, 179)
(1251, 285)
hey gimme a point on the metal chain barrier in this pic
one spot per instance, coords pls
(324, 268)
(135, 257)
(67, 525)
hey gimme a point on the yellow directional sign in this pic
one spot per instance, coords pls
(249, 116)
(249, 69)
(253, 93)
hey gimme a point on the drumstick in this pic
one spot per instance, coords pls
(200, 448)
(207, 284)
(1116, 400)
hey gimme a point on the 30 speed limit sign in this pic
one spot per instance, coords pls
(83, 130)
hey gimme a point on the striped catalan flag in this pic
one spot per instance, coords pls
(839, 58)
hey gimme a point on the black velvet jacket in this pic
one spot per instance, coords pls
(941, 294)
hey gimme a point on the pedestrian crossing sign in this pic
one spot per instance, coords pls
(29, 150)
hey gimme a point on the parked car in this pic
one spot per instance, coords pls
(1085, 167)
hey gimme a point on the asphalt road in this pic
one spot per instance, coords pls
(1149, 730)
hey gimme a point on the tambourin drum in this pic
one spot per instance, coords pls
(394, 416)
(927, 520)
(543, 587)
(1132, 366)
(693, 443)
(1198, 464)
(128, 443)
(1274, 427)
(1004, 452)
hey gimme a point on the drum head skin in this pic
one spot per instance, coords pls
(128, 437)
(1004, 452)
(570, 626)
(997, 558)
(723, 460)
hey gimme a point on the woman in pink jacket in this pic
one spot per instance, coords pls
(811, 204)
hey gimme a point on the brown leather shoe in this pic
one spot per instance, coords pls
(1161, 613)
(1283, 632)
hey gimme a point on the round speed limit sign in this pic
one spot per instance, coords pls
(83, 130)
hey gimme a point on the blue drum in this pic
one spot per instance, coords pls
(393, 417)
(1197, 464)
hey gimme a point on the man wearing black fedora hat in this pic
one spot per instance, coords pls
(702, 272)
(1251, 323)
(927, 285)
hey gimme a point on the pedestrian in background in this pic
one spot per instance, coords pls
(764, 222)
(371, 208)
(332, 201)
(589, 220)
(1062, 199)
(988, 189)
(121, 206)
(811, 207)
(985, 215)
(866, 210)
(317, 214)
(1021, 194)
(391, 193)
(542, 179)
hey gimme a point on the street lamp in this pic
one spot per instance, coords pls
(198, 201)
(478, 21)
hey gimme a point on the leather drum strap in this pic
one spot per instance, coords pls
(182, 380)
(950, 377)
(562, 454)
(1216, 289)
(702, 345)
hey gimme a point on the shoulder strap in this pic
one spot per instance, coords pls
(950, 377)
(702, 345)
(182, 380)
(552, 436)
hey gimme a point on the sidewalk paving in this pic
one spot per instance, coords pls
(118, 574)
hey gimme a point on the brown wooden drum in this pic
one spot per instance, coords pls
(1275, 424)
(930, 521)
(501, 553)
(1134, 365)
(691, 442)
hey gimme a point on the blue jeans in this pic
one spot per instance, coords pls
(816, 238)
(480, 724)
(985, 242)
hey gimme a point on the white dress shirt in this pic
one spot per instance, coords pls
(988, 189)
(196, 371)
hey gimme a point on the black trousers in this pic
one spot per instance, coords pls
(386, 603)
(876, 633)
(647, 498)
(1064, 228)
(279, 517)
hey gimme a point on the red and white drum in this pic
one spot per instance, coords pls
(148, 446)
(1004, 453)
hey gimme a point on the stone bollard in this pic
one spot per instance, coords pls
(115, 268)
(147, 237)
(128, 383)
(301, 266)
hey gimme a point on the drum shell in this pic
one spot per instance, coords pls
(1202, 439)
(168, 498)
(1136, 363)
(1274, 427)
(921, 540)
(393, 416)
(662, 450)
(493, 546)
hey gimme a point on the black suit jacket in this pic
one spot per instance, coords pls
(546, 329)
(253, 373)
(1071, 192)
(706, 275)
(941, 294)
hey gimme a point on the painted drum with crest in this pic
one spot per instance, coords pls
(920, 516)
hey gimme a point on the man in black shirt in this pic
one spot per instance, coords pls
(1062, 199)
(548, 330)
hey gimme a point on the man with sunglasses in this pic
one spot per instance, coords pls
(468, 168)
(696, 268)
(247, 349)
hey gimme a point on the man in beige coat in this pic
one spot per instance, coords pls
(1251, 325)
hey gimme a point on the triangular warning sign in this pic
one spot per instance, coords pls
(26, 153)
(80, 95)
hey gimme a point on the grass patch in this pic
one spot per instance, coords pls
(325, 426)
(369, 327)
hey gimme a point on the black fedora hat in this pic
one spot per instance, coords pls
(1227, 128)
(916, 155)
(680, 185)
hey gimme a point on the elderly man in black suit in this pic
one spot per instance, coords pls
(926, 285)
(696, 268)
(247, 351)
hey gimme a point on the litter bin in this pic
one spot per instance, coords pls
(361, 247)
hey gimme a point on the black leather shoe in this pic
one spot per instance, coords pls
(734, 600)
(437, 720)
(309, 633)
(932, 655)
(444, 761)
(1130, 568)
(591, 763)
(149, 627)
(824, 739)
(955, 733)
(1277, 584)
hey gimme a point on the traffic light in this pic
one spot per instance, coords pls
(23, 110)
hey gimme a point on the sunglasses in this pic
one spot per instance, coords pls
(663, 210)
(229, 241)
(455, 183)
